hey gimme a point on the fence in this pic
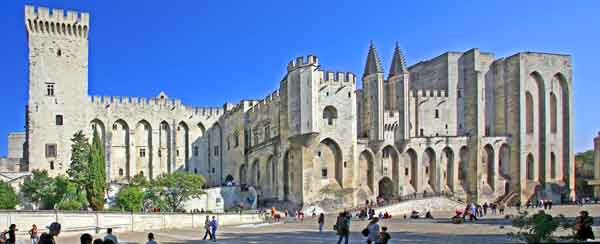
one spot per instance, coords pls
(79, 222)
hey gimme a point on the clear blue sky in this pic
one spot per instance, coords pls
(212, 52)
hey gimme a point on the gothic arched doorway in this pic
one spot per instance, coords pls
(386, 188)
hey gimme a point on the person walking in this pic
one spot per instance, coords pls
(12, 238)
(342, 227)
(485, 208)
(207, 229)
(151, 239)
(213, 228)
(321, 221)
(34, 235)
(373, 231)
(109, 236)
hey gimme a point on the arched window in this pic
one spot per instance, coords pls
(330, 114)
(529, 113)
(553, 111)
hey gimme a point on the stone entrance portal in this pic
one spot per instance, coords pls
(386, 188)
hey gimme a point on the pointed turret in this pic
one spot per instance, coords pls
(398, 63)
(373, 64)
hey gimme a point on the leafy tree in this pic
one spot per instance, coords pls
(38, 189)
(80, 150)
(70, 204)
(539, 227)
(130, 198)
(8, 196)
(175, 188)
(152, 197)
(95, 186)
(139, 180)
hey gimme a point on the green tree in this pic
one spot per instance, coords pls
(95, 186)
(175, 188)
(67, 195)
(139, 180)
(8, 196)
(69, 204)
(130, 198)
(80, 150)
(39, 189)
(540, 227)
(152, 196)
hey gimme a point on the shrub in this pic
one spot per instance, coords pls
(130, 198)
(539, 227)
(70, 204)
(8, 196)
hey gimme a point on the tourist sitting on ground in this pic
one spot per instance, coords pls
(3, 237)
(151, 239)
(380, 215)
(414, 214)
(386, 215)
(583, 226)
(428, 215)
(85, 239)
(384, 236)
(458, 217)
(109, 236)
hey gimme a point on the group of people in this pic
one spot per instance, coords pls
(373, 233)
(546, 204)
(10, 236)
(210, 228)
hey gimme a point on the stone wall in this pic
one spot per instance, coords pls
(423, 205)
(76, 223)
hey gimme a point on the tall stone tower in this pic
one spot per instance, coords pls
(58, 84)
(373, 96)
(399, 79)
(303, 101)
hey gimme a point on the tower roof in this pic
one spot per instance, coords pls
(373, 64)
(398, 63)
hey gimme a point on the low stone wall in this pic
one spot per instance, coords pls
(422, 205)
(75, 223)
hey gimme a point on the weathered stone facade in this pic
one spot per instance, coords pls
(463, 122)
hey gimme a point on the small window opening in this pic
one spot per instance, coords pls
(59, 119)
(324, 173)
(50, 89)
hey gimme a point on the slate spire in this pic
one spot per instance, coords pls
(373, 64)
(398, 63)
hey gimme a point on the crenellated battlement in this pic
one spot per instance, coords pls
(156, 103)
(45, 22)
(428, 93)
(266, 102)
(301, 61)
(343, 77)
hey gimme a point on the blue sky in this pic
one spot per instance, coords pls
(212, 52)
